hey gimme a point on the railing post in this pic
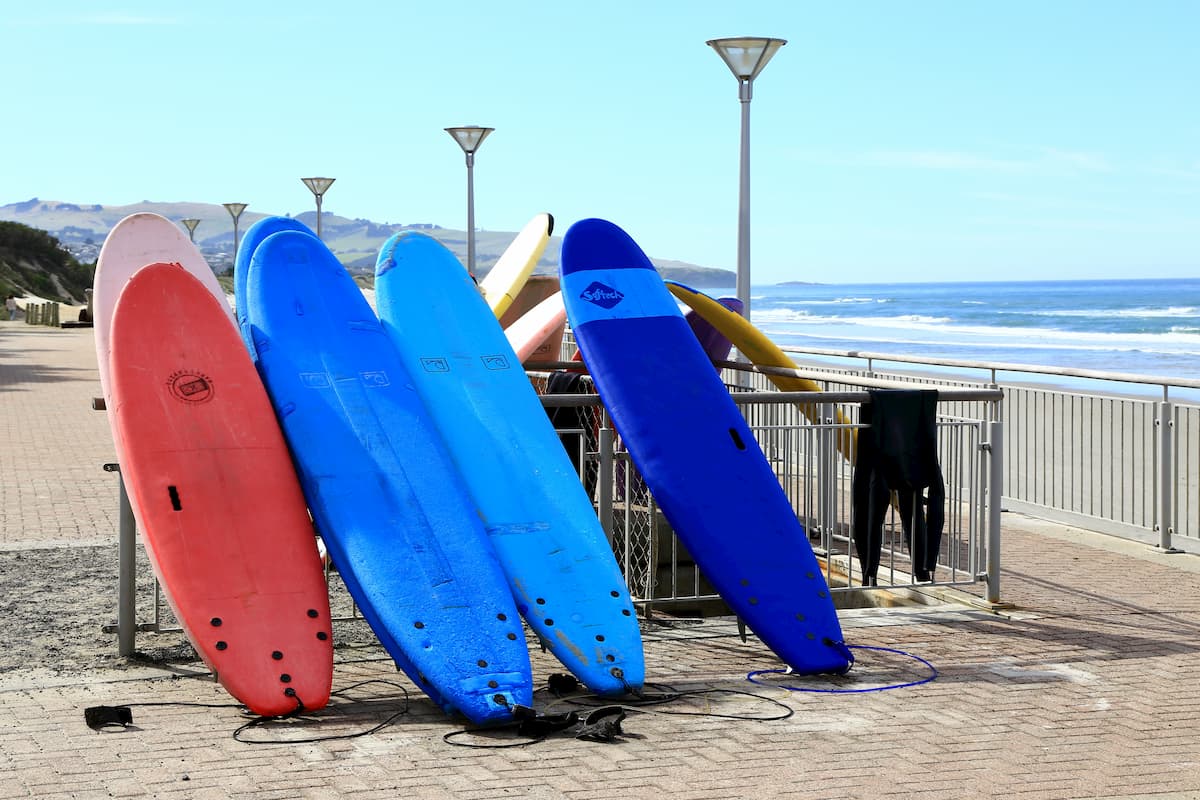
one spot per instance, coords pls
(826, 483)
(604, 496)
(126, 569)
(995, 493)
(1165, 475)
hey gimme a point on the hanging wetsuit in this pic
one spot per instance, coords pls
(897, 452)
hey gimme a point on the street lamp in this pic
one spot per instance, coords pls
(235, 210)
(318, 186)
(191, 224)
(469, 137)
(745, 56)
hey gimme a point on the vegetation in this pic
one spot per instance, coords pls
(34, 262)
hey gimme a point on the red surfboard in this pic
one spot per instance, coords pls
(221, 512)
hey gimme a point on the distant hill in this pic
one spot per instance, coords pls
(356, 242)
(32, 262)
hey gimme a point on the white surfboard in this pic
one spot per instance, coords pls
(134, 242)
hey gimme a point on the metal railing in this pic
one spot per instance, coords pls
(813, 468)
(804, 435)
(1098, 457)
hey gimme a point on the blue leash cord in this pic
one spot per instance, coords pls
(933, 673)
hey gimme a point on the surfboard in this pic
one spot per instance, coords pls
(134, 242)
(539, 518)
(755, 345)
(694, 449)
(715, 343)
(385, 495)
(251, 239)
(529, 333)
(505, 279)
(221, 513)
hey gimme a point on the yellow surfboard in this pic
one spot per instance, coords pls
(504, 281)
(754, 345)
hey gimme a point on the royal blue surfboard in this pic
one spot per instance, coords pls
(251, 239)
(385, 496)
(694, 448)
(560, 567)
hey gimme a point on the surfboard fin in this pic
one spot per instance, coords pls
(742, 629)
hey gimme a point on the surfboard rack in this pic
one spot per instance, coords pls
(127, 625)
(629, 519)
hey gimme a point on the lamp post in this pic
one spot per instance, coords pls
(469, 137)
(191, 224)
(235, 210)
(745, 56)
(318, 186)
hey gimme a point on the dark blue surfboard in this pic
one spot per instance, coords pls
(251, 239)
(560, 567)
(392, 509)
(694, 448)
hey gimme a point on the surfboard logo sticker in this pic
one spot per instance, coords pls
(601, 295)
(435, 365)
(495, 362)
(190, 386)
(314, 380)
(375, 378)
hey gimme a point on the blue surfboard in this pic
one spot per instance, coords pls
(251, 239)
(386, 497)
(560, 567)
(694, 448)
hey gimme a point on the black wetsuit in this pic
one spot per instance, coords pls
(898, 452)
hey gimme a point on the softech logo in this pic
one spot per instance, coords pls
(601, 295)
(190, 387)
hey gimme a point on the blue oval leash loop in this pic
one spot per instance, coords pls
(753, 677)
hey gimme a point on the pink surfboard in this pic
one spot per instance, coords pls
(219, 506)
(534, 329)
(134, 242)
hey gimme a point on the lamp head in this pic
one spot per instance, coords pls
(469, 137)
(746, 55)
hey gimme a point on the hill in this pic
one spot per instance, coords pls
(35, 263)
(82, 227)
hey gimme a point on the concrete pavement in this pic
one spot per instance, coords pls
(1086, 687)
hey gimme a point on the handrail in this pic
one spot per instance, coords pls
(991, 366)
(944, 393)
(746, 398)
(1001, 366)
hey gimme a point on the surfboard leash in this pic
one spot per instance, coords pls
(754, 676)
(603, 722)
(101, 718)
(238, 734)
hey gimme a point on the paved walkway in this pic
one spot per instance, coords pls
(1085, 688)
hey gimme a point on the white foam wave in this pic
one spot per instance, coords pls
(833, 301)
(918, 329)
(1133, 313)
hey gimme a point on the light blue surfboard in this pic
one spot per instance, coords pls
(694, 448)
(251, 239)
(386, 497)
(560, 567)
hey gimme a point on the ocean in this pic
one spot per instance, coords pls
(1146, 327)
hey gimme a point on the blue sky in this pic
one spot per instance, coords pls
(908, 141)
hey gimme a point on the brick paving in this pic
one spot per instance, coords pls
(1085, 688)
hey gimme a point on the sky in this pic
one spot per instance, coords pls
(925, 140)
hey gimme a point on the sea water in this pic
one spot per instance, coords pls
(1144, 327)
